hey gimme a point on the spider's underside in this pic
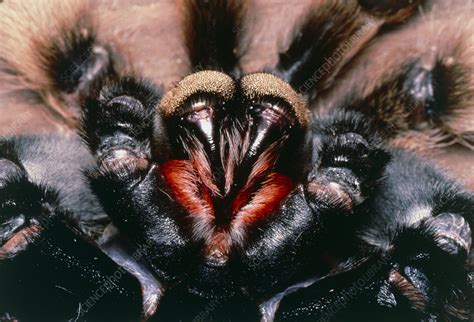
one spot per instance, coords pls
(249, 189)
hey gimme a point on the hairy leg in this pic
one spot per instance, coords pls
(48, 266)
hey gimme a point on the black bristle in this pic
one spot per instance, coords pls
(316, 39)
(213, 30)
(78, 61)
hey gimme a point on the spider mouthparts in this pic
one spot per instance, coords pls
(226, 170)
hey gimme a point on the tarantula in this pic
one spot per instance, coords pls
(285, 193)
